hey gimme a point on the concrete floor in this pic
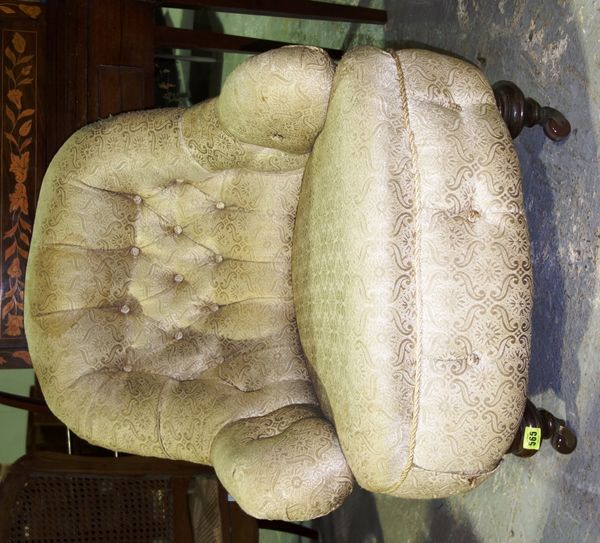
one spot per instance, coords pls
(551, 49)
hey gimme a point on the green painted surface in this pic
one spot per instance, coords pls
(13, 422)
(329, 34)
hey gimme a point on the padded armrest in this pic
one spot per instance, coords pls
(285, 465)
(278, 99)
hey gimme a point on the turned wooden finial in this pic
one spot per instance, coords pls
(518, 111)
(538, 424)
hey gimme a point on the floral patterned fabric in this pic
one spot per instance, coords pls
(159, 303)
(160, 310)
(412, 274)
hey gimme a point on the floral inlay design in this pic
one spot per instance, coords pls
(20, 118)
(12, 8)
(20, 355)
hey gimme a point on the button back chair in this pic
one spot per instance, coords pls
(321, 276)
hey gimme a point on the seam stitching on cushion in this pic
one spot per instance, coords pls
(477, 473)
(252, 418)
(80, 183)
(83, 426)
(251, 390)
(182, 141)
(259, 298)
(208, 316)
(226, 424)
(451, 106)
(457, 214)
(256, 145)
(274, 173)
(159, 417)
(63, 245)
(418, 317)
(92, 401)
(74, 310)
(188, 152)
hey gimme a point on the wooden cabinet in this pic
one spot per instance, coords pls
(22, 161)
(65, 63)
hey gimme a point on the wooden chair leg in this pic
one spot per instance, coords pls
(518, 111)
(538, 424)
(24, 402)
(239, 527)
(301, 9)
(236, 525)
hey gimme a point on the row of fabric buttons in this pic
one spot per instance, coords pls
(135, 251)
(137, 199)
(125, 309)
(177, 278)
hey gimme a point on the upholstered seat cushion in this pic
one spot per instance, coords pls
(412, 275)
(159, 308)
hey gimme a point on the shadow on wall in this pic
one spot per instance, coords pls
(446, 527)
(418, 521)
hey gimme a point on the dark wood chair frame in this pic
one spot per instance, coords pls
(301, 9)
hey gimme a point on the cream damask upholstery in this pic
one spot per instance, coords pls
(160, 312)
(412, 273)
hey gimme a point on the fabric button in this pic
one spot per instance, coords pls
(127, 368)
(135, 251)
(177, 229)
(137, 199)
(178, 278)
(473, 359)
(179, 180)
(178, 335)
(124, 309)
(474, 215)
(213, 308)
(220, 205)
(218, 258)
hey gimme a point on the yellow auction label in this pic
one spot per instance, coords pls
(532, 438)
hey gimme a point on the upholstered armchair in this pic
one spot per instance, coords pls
(321, 276)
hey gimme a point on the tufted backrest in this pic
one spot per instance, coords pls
(159, 307)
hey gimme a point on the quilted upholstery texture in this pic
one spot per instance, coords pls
(159, 305)
(412, 273)
(173, 251)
